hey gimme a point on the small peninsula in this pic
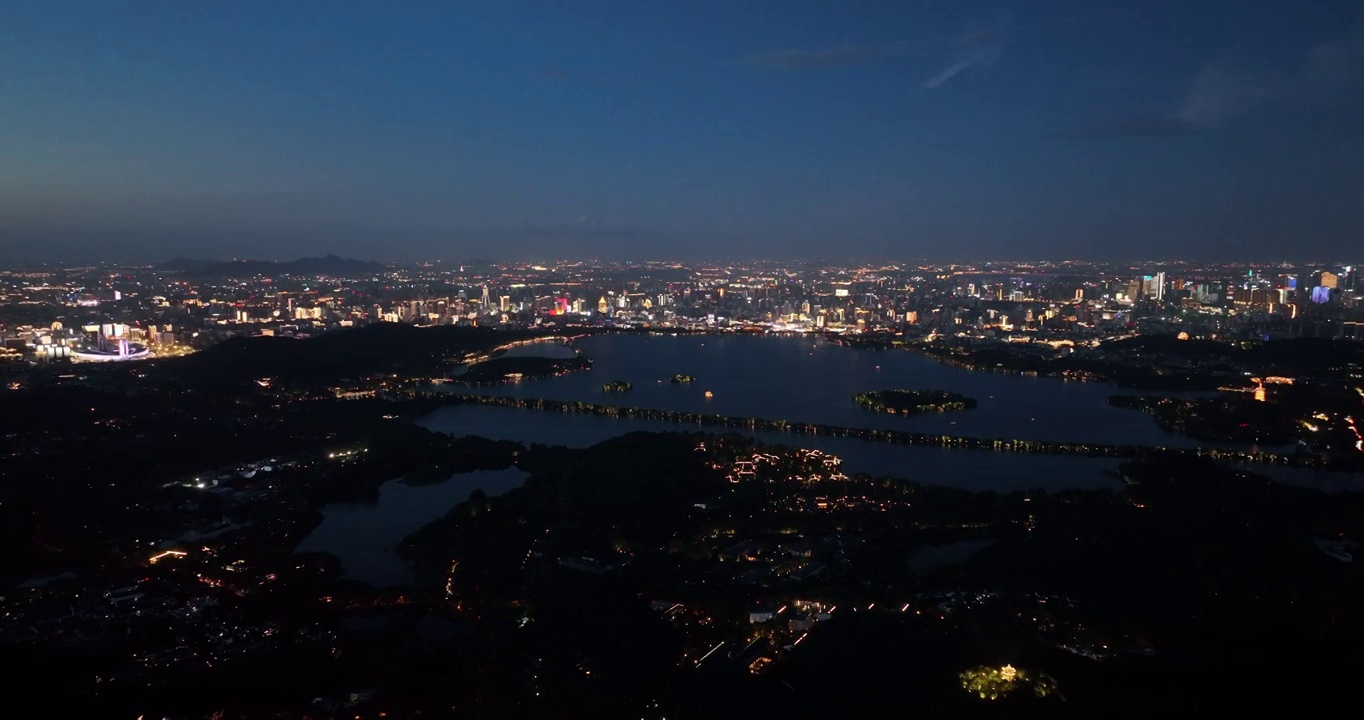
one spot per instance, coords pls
(510, 369)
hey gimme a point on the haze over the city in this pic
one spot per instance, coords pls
(144, 131)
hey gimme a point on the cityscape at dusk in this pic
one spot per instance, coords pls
(178, 306)
(667, 488)
(707, 360)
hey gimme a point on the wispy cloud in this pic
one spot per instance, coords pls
(1328, 66)
(802, 59)
(981, 56)
(1223, 91)
(978, 48)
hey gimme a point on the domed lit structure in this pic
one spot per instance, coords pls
(111, 348)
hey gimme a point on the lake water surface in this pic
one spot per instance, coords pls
(969, 469)
(809, 380)
(363, 536)
(796, 379)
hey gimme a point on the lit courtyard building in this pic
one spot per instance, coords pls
(111, 348)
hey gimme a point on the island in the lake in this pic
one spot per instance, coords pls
(616, 386)
(913, 402)
(680, 379)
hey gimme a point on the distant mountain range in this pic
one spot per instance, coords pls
(330, 265)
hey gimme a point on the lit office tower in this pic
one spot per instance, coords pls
(1330, 280)
(1160, 286)
(504, 303)
(487, 301)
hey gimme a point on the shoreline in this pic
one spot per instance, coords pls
(890, 436)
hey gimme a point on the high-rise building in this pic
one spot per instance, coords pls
(1134, 290)
(1249, 296)
(1153, 286)
(486, 301)
(1330, 280)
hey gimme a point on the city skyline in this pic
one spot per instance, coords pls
(971, 131)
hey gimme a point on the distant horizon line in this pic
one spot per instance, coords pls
(828, 262)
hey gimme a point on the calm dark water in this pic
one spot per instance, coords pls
(806, 380)
(969, 469)
(363, 536)
(974, 470)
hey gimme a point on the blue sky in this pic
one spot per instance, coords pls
(143, 130)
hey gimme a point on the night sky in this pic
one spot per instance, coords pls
(837, 130)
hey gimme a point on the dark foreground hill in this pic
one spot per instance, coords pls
(333, 356)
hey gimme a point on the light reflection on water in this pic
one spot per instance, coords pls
(805, 380)
(968, 469)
